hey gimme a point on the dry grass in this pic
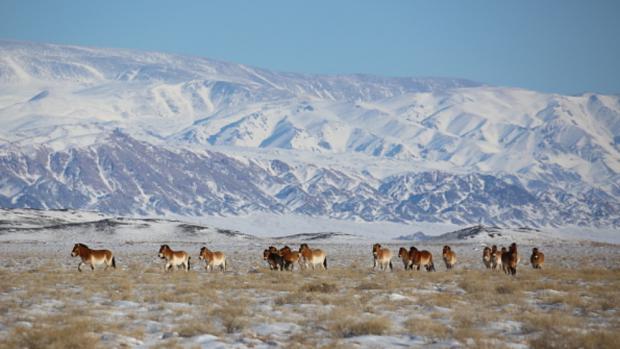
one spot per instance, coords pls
(350, 326)
(62, 332)
(554, 307)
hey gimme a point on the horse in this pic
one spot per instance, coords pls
(406, 258)
(381, 256)
(276, 262)
(213, 259)
(290, 257)
(496, 258)
(421, 258)
(537, 259)
(174, 258)
(486, 257)
(93, 257)
(313, 257)
(449, 257)
(510, 259)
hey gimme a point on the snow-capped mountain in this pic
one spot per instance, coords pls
(131, 132)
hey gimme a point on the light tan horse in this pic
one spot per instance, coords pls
(174, 258)
(406, 258)
(93, 257)
(486, 257)
(313, 257)
(449, 257)
(422, 258)
(213, 259)
(496, 258)
(382, 257)
(290, 258)
(537, 259)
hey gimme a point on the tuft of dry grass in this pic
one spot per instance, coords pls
(351, 327)
(428, 328)
(322, 287)
(54, 332)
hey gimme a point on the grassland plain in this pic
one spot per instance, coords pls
(46, 303)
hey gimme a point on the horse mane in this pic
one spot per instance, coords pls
(82, 245)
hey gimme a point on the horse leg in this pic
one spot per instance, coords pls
(80, 266)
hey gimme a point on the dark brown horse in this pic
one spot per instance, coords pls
(510, 259)
(537, 259)
(276, 262)
(93, 257)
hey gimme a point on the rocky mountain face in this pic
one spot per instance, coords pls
(141, 133)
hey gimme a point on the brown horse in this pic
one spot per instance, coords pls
(174, 258)
(510, 259)
(93, 257)
(537, 259)
(276, 262)
(313, 257)
(381, 256)
(406, 258)
(213, 259)
(496, 258)
(449, 257)
(290, 258)
(486, 257)
(421, 258)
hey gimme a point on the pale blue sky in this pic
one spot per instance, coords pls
(556, 46)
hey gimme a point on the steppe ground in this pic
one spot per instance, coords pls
(45, 302)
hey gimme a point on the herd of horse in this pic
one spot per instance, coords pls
(285, 258)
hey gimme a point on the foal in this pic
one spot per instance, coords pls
(174, 258)
(381, 256)
(93, 257)
(213, 259)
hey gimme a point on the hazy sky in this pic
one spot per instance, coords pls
(557, 46)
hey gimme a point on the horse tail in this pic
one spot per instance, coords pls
(325, 263)
(189, 265)
(113, 262)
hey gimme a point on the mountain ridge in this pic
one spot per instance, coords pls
(365, 139)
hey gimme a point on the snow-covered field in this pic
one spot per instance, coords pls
(45, 302)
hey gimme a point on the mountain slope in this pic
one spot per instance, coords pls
(351, 147)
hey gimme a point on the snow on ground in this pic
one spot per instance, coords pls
(571, 301)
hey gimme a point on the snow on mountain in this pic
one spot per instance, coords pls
(124, 131)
